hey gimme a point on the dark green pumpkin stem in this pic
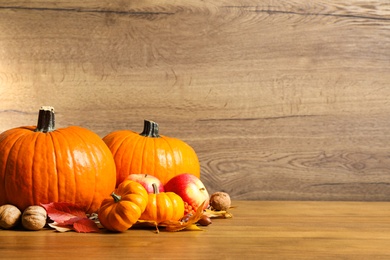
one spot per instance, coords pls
(150, 129)
(46, 122)
(155, 189)
(116, 197)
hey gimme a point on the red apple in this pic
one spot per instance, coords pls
(190, 188)
(147, 181)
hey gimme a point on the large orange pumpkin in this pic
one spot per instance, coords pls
(43, 164)
(151, 153)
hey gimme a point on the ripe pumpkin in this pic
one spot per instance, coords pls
(42, 164)
(124, 207)
(163, 206)
(149, 152)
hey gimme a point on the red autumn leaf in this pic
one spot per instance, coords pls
(62, 212)
(85, 225)
(68, 216)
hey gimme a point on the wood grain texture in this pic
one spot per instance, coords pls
(258, 229)
(281, 100)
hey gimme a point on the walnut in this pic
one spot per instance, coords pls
(9, 216)
(220, 201)
(34, 218)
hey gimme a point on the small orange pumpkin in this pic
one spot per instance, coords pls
(42, 164)
(126, 204)
(149, 152)
(163, 206)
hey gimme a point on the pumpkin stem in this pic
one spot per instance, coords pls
(116, 197)
(46, 122)
(150, 129)
(155, 189)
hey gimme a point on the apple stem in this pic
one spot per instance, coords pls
(155, 188)
(116, 197)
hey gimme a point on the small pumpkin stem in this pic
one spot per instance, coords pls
(155, 188)
(46, 120)
(150, 129)
(116, 197)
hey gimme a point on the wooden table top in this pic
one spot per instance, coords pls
(258, 230)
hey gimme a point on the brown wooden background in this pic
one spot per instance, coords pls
(280, 99)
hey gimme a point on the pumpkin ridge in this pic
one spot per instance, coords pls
(62, 152)
(55, 168)
(35, 180)
(128, 206)
(164, 202)
(44, 143)
(142, 158)
(7, 137)
(14, 149)
(64, 171)
(173, 158)
(142, 142)
(177, 203)
(120, 157)
(124, 158)
(152, 159)
(91, 160)
(24, 180)
(114, 144)
(105, 210)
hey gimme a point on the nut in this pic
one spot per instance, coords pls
(204, 220)
(220, 201)
(9, 216)
(34, 218)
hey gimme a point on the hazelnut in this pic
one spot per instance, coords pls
(220, 201)
(204, 220)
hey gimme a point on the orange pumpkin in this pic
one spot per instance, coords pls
(163, 206)
(43, 164)
(149, 152)
(124, 207)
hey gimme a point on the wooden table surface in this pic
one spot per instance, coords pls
(258, 230)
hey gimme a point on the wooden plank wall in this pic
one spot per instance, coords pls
(282, 100)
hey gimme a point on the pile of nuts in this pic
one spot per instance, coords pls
(33, 217)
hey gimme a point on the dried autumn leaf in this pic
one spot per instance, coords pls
(193, 227)
(218, 213)
(62, 212)
(147, 223)
(85, 225)
(67, 216)
(173, 226)
(61, 228)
